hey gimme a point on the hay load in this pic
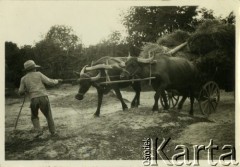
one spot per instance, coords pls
(153, 49)
(211, 47)
(174, 39)
(212, 35)
(214, 43)
(166, 43)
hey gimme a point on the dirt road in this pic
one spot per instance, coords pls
(116, 134)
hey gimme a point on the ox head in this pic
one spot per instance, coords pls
(85, 81)
(134, 67)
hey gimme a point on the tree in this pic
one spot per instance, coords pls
(59, 51)
(63, 36)
(147, 24)
(230, 19)
(13, 66)
(114, 46)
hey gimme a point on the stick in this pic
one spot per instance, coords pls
(69, 80)
(15, 126)
(132, 80)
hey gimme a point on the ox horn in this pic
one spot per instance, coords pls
(97, 77)
(122, 64)
(149, 60)
(129, 56)
(82, 71)
(99, 66)
(177, 48)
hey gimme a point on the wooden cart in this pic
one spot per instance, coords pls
(208, 98)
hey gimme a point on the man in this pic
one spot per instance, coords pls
(33, 85)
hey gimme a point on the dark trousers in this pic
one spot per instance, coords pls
(43, 104)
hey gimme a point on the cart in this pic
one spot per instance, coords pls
(208, 98)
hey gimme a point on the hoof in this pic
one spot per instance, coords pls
(134, 106)
(125, 109)
(191, 114)
(95, 115)
(165, 110)
(155, 109)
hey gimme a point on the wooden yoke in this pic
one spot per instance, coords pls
(106, 72)
(150, 81)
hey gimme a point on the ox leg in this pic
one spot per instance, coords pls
(136, 100)
(191, 101)
(119, 96)
(163, 94)
(100, 97)
(180, 104)
(156, 98)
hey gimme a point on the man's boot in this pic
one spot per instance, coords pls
(37, 128)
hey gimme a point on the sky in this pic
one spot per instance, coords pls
(26, 22)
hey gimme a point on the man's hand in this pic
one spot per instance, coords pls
(60, 80)
(20, 93)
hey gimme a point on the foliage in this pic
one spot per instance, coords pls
(147, 24)
(113, 46)
(63, 36)
(211, 47)
(230, 19)
(12, 67)
(59, 52)
(150, 29)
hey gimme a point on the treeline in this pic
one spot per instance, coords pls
(61, 52)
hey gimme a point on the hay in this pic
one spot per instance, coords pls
(219, 67)
(185, 54)
(174, 39)
(210, 47)
(152, 48)
(212, 35)
(214, 43)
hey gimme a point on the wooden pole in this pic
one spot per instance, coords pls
(132, 80)
(150, 66)
(15, 125)
(106, 72)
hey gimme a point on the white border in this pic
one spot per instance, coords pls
(60, 163)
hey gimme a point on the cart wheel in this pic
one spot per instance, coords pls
(172, 99)
(208, 98)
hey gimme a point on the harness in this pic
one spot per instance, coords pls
(150, 72)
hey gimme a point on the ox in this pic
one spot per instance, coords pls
(106, 67)
(170, 72)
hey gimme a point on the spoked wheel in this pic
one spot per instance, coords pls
(172, 99)
(209, 98)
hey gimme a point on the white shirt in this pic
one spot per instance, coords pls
(33, 84)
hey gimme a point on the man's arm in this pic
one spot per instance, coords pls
(48, 81)
(21, 89)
